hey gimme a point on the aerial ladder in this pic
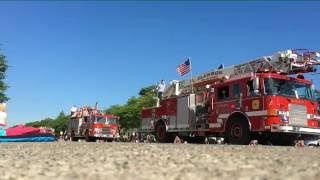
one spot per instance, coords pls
(284, 62)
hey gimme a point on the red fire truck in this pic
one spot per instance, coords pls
(266, 99)
(91, 124)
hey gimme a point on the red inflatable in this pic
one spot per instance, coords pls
(22, 130)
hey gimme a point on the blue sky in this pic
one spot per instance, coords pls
(76, 52)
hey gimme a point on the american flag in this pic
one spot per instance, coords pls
(184, 68)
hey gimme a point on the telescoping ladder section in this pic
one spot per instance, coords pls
(283, 62)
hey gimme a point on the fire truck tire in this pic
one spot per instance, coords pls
(200, 140)
(87, 137)
(195, 140)
(109, 140)
(161, 133)
(72, 138)
(237, 131)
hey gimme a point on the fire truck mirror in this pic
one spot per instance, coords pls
(212, 90)
(256, 85)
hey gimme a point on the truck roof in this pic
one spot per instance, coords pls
(107, 115)
(264, 75)
(286, 77)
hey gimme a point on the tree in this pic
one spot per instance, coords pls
(3, 85)
(60, 123)
(129, 113)
(42, 123)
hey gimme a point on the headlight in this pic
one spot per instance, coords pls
(284, 113)
(98, 130)
(285, 118)
(272, 112)
(276, 112)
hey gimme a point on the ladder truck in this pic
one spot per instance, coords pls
(265, 99)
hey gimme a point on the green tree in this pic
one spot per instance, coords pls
(42, 123)
(129, 113)
(3, 85)
(148, 96)
(60, 123)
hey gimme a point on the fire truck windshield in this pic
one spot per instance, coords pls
(101, 119)
(106, 120)
(287, 88)
(112, 120)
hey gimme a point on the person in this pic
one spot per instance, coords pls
(84, 126)
(73, 110)
(250, 90)
(177, 140)
(160, 88)
(3, 114)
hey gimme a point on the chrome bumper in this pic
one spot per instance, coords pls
(295, 129)
(106, 136)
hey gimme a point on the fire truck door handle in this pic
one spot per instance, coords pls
(211, 103)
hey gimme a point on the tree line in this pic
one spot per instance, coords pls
(129, 112)
(60, 123)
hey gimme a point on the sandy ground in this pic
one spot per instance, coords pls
(80, 160)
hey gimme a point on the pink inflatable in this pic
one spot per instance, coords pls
(22, 130)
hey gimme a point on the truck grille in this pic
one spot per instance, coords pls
(106, 130)
(298, 115)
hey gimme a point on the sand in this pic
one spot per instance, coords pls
(112, 161)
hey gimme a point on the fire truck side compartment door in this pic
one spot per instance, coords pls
(192, 111)
(75, 125)
(185, 110)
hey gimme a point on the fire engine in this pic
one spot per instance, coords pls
(266, 98)
(91, 124)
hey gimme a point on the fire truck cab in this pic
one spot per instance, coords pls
(244, 102)
(91, 125)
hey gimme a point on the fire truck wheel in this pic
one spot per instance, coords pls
(200, 140)
(72, 138)
(238, 132)
(161, 133)
(195, 140)
(87, 137)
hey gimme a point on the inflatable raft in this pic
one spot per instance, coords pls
(23, 133)
(29, 138)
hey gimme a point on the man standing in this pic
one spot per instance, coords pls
(73, 110)
(160, 88)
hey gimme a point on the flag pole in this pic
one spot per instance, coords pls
(191, 75)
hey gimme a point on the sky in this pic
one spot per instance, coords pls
(78, 52)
